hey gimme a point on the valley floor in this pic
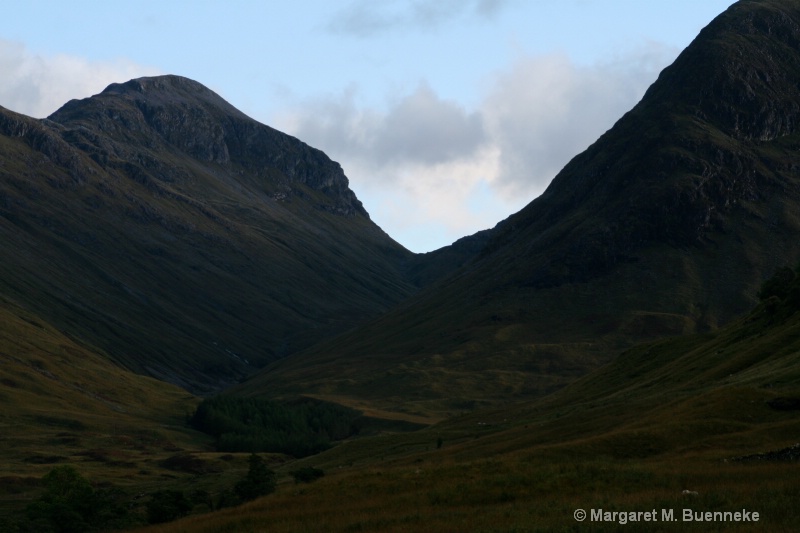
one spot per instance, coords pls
(524, 493)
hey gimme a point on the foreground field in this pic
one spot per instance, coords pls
(536, 490)
(707, 423)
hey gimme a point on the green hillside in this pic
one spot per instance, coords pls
(66, 403)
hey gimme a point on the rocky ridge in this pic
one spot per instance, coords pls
(180, 114)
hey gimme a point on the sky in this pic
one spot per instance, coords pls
(447, 116)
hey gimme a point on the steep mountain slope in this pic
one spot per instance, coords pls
(186, 240)
(666, 225)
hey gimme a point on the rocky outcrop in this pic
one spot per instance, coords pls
(741, 72)
(45, 138)
(788, 454)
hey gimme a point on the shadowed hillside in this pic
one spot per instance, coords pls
(191, 243)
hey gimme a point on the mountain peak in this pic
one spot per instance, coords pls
(182, 116)
(167, 82)
(676, 169)
(667, 224)
(170, 89)
(740, 73)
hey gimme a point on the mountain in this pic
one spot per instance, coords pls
(667, 224)
(159, 225)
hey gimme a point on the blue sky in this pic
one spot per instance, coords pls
(446, 115)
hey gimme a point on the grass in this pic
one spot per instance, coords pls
(663, 417)
(510, 493)
(523, 467)
(65, 403)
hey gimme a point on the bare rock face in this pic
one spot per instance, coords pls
(742, 73)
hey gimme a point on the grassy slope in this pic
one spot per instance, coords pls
(664, 417)
(64, 402)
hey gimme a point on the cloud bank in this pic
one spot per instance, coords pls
(37, 85)
(423, 160)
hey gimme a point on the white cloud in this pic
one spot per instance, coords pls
(433, 203)
(415, 164)
(427, 162)
(419, 128)
(37, 85)
(365, 18)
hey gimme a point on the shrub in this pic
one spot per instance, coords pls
(167, 505)
(201, 497)
(185, 462)
(778, 285)
(228, 498)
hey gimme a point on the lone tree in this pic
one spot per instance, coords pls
(66, 504)
(259, 481)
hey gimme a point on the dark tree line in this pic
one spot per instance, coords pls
(168, 505)
(255, 425)
(71, 504)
